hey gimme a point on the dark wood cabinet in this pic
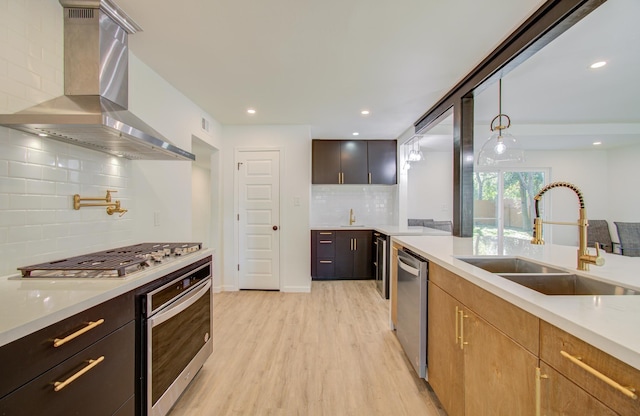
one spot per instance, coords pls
(101, 390)
(382, 155)
(341, 254)
(355, 162)
(32, 364)
(325, 162)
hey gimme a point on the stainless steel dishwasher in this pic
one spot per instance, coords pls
(411, 328)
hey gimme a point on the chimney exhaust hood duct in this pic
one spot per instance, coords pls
(93, 112)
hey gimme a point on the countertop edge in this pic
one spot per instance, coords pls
(495, 285)
(112, 289)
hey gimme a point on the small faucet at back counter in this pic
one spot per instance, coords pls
(584, 258)
(352, 217)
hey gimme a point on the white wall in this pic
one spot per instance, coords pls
(38, 176)
(295, 249)
(589, 171)
(430, 187)
(623, 198)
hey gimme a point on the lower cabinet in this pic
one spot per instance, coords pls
(489, 357)
(579, 379)
(104, 381)
(341, 254)
(474, 367)
(82, 365)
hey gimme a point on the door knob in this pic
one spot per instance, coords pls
(275, 228)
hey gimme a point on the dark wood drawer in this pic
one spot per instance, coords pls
(32, 355)
(554, 341)
(326, 248)
(102, 390)
(325, 268)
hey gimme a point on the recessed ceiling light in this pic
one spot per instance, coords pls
(364, 112)
(355, 133)
(42, 134)
(598, 64)
(251, 111)
(597, 143)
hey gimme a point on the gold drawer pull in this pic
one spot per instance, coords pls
(326, 233)
(59, 385)
(326, 241)
(577, 361)
(90, 325)
(325, 262)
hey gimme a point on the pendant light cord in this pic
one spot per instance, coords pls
(500, 102)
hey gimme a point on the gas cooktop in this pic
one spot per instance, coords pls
(117, 262)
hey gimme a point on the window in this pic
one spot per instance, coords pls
(503, 204)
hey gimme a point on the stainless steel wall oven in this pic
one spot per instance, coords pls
(175, 334)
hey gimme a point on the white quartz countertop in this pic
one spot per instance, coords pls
(385, 229)
(28, 305)
(610, 323)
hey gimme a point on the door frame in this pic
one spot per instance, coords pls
(236, 206)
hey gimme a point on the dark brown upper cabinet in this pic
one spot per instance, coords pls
(382, 161)
(355, 162)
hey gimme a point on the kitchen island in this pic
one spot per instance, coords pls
(497, 347)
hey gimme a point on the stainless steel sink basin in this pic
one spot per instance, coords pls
(509, 265)
(567, 284)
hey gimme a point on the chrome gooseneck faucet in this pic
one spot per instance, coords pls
(584, 258)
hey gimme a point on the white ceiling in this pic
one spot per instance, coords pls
(556, 101)
(320, 62)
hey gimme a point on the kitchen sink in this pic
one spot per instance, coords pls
(509, 265)
(353, 226)
(567, 284)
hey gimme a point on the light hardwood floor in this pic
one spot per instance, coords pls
(328, 352)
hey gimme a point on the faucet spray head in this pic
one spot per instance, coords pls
(537, 231)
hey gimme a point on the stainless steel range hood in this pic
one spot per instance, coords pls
(93, 112)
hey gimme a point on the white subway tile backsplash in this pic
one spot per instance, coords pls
(68, 189)
(25, 170)
(4, 168)
(28, 233)
(13, 218)
(372, 205)
(54, 174)
(35, 187)
(12, 185)
(24, 202)
(39, 157)
(55, 202)
(41, 216)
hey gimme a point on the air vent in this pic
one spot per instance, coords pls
(80, 13)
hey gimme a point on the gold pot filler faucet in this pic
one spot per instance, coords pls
(584, 258)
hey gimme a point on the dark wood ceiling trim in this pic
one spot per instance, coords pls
(547, 23)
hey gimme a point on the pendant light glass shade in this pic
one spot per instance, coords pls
(501, 146)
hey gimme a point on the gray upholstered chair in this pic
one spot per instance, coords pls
(598, 231)
(419, 222)
(441, 225)
(629, 236)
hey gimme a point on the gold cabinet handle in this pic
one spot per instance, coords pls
(325, 262)
(627, 391)
(339, 178)
(90, 325)
(462, 341)
(539, 377)
(326, 241)
(355, 244)
(369, 178)
(457, 326)
(326, 233)
(59, 385)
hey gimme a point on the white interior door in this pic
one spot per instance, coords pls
(259, 219)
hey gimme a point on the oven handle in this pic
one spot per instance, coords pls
(180, 305)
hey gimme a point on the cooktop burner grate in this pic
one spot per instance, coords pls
(116, 262)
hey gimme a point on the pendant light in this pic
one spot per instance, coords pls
(415, 154)
(501, 147)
